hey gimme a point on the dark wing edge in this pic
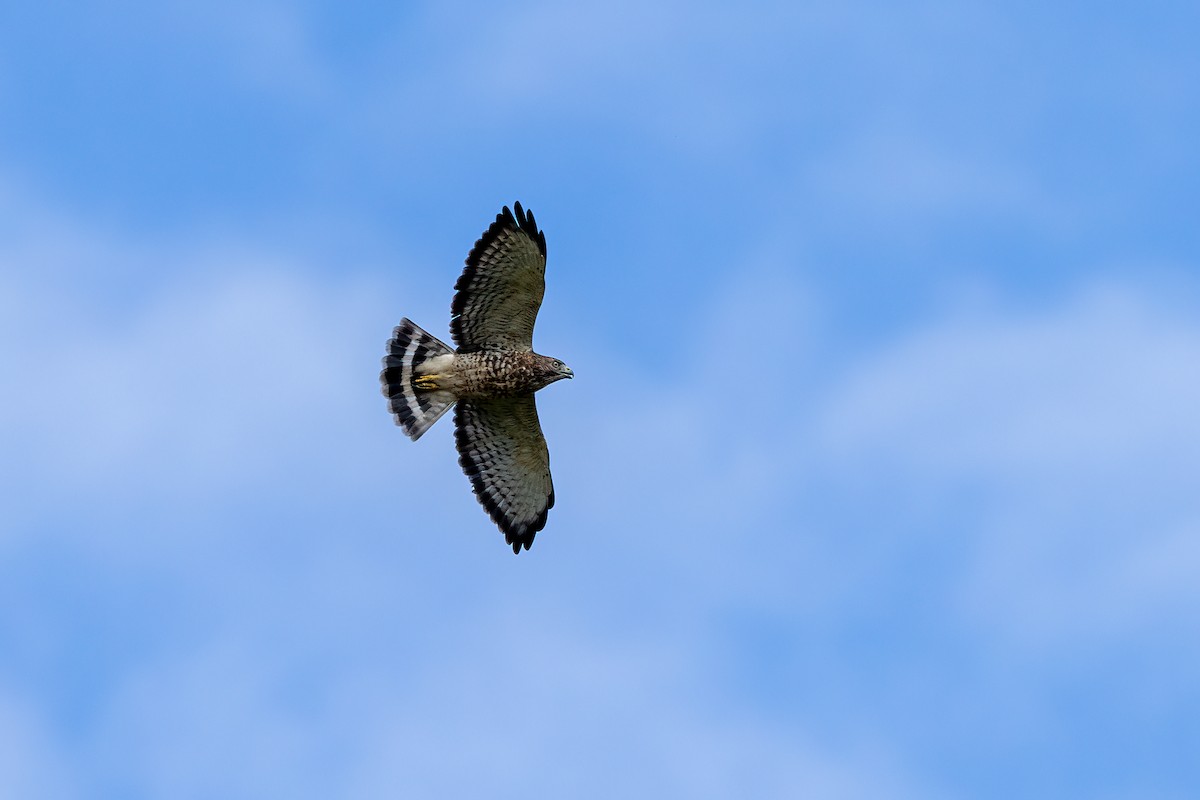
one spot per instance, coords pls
(523, 222)
(502, 451)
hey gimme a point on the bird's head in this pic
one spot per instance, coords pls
(554, 370)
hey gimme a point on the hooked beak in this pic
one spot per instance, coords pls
(568, 372)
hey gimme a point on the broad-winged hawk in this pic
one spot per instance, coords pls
(490, 378)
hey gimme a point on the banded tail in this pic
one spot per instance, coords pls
(414, 409)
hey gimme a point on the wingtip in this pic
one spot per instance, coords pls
(527, 223)
(519, 541)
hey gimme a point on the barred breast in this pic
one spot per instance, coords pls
(495, 373)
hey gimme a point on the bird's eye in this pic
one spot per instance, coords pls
(558, 364)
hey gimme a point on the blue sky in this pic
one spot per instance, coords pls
(878, 478)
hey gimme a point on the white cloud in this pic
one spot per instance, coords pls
(701, 80)
(1072, 431)
(244, 373)
(208, 377)
(1055, 447)
(151, 375)
(506, 706)
(203, 723)
(1090, 385)
(899, 182)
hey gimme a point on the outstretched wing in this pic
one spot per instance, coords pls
(500, 291)
(503, 452)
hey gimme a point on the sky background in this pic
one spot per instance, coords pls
(878, 479)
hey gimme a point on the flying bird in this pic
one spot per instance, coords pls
(490, 379)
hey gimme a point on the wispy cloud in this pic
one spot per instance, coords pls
(1073, 434)
(801, 548)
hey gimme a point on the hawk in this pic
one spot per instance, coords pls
(490, 379)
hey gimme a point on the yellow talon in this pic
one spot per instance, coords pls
(426, 383)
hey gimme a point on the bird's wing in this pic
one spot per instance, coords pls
(503, 452)
(500, 291)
